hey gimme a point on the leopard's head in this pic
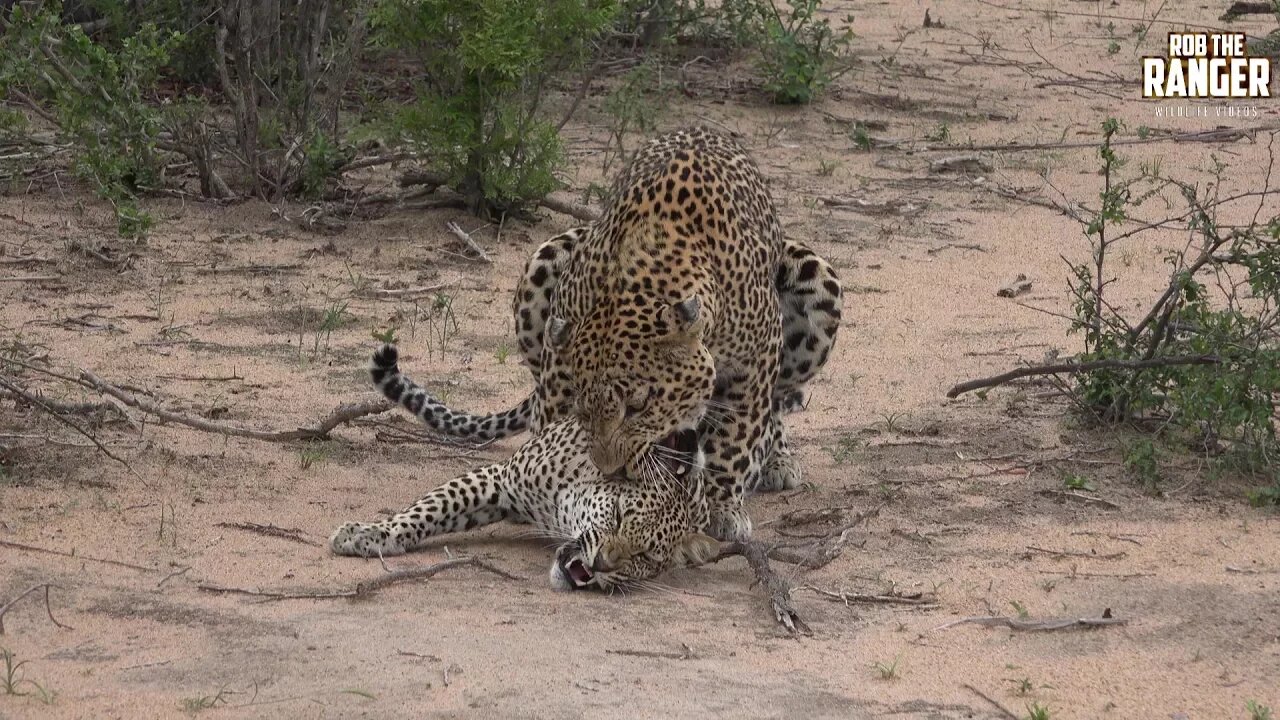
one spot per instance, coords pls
(634, 533)
(643, 378)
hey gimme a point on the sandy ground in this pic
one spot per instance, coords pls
(235, 292)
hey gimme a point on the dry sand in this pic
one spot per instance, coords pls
(1195, 572)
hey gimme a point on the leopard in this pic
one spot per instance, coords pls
(680, 323)
(613, 533)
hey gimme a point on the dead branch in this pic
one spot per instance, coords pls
(268, 530)
(47, 607)
(31, 278)
(28, 397)
(1221, 135)
(1003, 710)
(67, 408)
(172, 575)
(1074, 368)
(1239, 8)
(400, 293)
(565, 207)
(1036, 625)
(757, 556)
(342, 414)
(88, 558)
(686, 655)
(1080, 497)
(422, 177)
(28, 260)
(476, 251)
(849, 598)
(1074, 553)
(368, 587)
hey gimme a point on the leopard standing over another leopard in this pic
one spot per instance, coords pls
(681, 322)
(612, 533)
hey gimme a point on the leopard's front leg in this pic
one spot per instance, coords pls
(475, 499)
(733, 435)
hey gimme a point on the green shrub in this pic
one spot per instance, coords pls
(486, 65)
(95, 95)
(801, 54)
(1201, 364)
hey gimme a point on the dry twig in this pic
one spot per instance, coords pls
(342, 414)
(580, 212)
(47, 608)
(74, 556)
(1037, 625)
(268, 530)
(367, 587)
(849, 598)
(757, 556)
(1074, 368)
(464, 236)
(1074, 553)
(1003, 710)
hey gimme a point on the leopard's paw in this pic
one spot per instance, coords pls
(366, 540)
(729, 522)
(782, 472)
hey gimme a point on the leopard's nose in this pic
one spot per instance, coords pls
(607, 462)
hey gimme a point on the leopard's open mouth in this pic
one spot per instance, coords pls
(679, 451)
(578, 573)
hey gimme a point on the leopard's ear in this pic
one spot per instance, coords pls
(696, 549)
(687, 318)
(557, 332)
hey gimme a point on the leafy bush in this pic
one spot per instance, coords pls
(801, 54)
(97, 97)
(486, 65)
(1203, 360)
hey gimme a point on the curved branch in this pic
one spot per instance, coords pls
(1074, 368)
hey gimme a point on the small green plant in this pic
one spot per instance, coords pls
(332, 318)
(801, 54)
(1020, 609)
(387, 337)
(1036, 711)
(940, 134)
(1142, 461)
(205, 702)
(1075, 481)
(313, 453)
(13, 681)
(826, 168)
(887, 671)
(861, 137)
(1268, 496)
(442, 323)
(502, 353)
(1257, 711)
(845, 450)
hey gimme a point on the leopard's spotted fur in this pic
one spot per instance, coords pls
(682, 309)
(612, 533)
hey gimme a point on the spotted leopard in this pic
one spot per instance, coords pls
(681, 320)
(613, 533)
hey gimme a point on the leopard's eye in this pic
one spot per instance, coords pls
(638, 402)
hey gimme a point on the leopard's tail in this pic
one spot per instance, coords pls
(385, 372)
